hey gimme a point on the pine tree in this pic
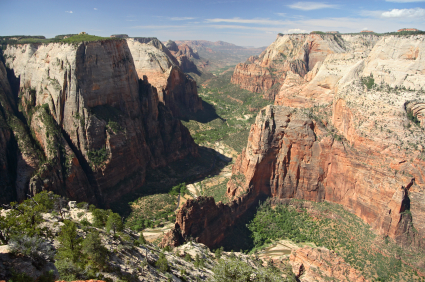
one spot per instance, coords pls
(114, 223)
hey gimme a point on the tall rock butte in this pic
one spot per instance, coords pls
(352, 143)
(97, 127)
(176, 90)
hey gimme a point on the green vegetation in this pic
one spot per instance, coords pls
(338, 230)
(152, 211)
(228, 115)
(162, 263)
(232, 270)
(114, 223)
(98, 157)
(368, 81)
(413, 118)
(85, 38)
(281, 222)
(81, 254)
(178, 189)
(317, 32)
(74, 38)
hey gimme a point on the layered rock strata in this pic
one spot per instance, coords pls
(175, 89)
(358, 144)
(297, 57)
(97, 124)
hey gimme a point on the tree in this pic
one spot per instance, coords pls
(70, 247)
(114, 223)
(24, 218)
(95, 253)
(68, 254)
(162, 263)
(99, 217)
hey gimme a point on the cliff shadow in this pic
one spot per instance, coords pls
(161, 180)
(239, 237)
(205, 115)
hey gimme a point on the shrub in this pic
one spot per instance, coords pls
(48, 276)
(368, 81)
(236, 270)
(218, 252)
(34, 247)
(20, 277)
(162, 263)
(82, 205)
(413, 118)
(187, 257)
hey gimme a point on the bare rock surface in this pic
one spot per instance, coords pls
(175, 89)
(97, 123)
(321, 264)
(300, 55)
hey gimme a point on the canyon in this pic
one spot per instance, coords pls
(91, 120)
(342, 130)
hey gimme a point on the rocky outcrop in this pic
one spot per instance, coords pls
(391, 62)
(175, 89)
(205, 221)
(321, 264)
(99, 126)
(298, 55)
(184, 55)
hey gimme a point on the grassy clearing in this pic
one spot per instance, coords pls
(152, 211)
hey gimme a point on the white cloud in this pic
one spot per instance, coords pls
(95, 9)
(246, 21)
(405, 1)
(296, 30)
(68, 12)
(405, 13)
(308, 6)
(181, 18)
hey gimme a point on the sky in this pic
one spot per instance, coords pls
(242, 22)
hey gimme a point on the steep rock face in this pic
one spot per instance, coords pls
(321, 264)
(6, 145)
(290, 156)
(298, 54)
(205, 221)
(176, 90)
(19, 156)
(109, 126)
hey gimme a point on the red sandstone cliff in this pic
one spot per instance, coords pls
(321, 264)
(292, 156)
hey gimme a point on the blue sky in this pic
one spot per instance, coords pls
(242, 22)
